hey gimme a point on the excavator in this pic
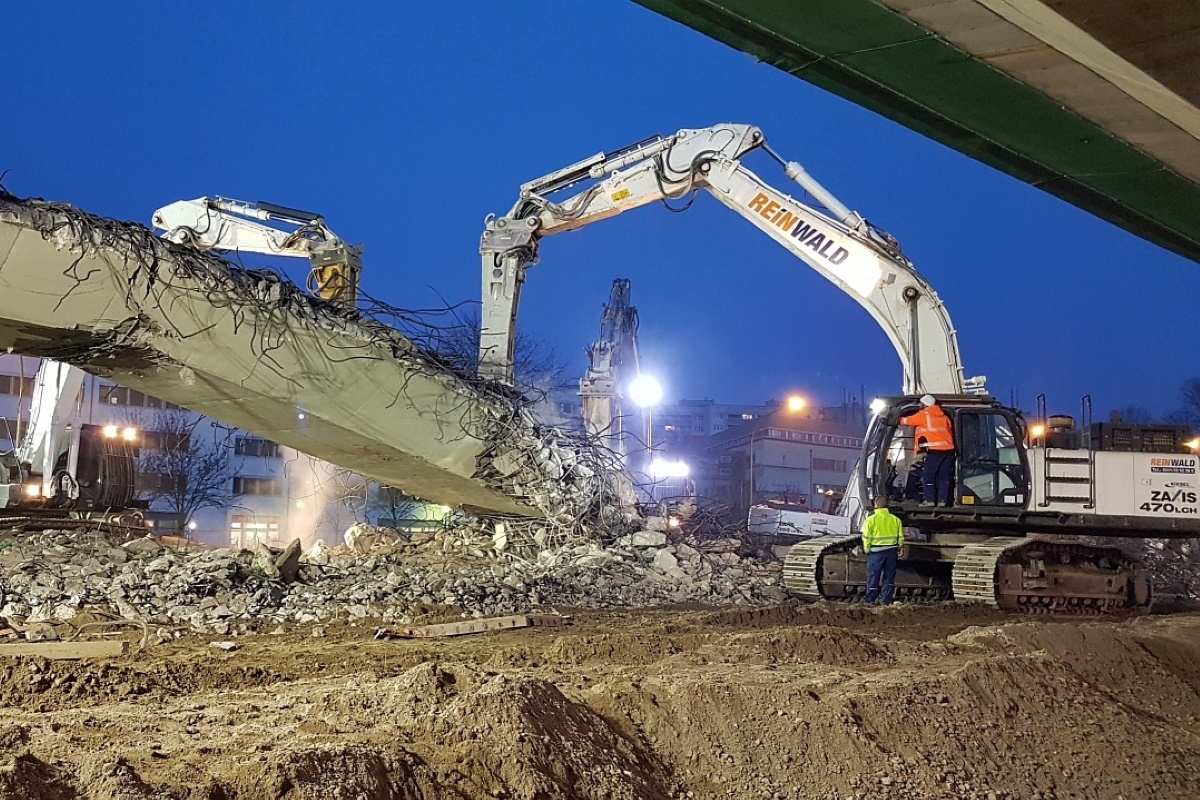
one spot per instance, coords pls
(612, 359)
(60, 468)
(1028, 512)
(218, 223)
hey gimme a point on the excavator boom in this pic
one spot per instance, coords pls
(838, 243)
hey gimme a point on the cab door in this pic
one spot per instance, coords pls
(991, 468)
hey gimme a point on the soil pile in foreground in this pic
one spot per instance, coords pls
(814, 701)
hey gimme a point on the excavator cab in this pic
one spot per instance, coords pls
(991, 469)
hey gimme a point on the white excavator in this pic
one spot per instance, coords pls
(59, 466)
(221, 224)
(1014, 536)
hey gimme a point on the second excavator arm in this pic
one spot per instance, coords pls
(217, 223)
(860, 259)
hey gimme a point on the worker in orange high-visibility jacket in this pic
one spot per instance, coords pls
(882, 538)
(933, 426)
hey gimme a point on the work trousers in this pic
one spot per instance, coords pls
(938, 476)
(881, 575)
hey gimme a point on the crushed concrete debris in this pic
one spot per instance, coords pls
(49, 578)
(573, 481)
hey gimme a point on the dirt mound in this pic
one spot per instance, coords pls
(523, 738)
(1135, 662)
(25, 777)
(352, 772)
(814, 702)
(811, 644)
(1033, 725)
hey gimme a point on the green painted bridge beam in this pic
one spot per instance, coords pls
(876, 58)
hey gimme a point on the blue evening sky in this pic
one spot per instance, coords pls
(406, 123)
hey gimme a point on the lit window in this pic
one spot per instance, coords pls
(247, 531)
(253, 446)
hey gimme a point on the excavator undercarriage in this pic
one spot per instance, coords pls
(1035, 574)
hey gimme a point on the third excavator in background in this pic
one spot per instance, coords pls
(612, 361)
(1028, 508)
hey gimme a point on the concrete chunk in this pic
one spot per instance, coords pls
(648, 539)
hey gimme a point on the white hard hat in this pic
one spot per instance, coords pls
(928, 400)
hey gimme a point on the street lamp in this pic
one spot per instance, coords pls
(796, 403)
(647, 392)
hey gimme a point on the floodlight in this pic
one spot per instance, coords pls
(645, 391)
(660, 468)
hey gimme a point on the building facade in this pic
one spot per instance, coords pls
(273, 494)
(677, 421)
(780, 456)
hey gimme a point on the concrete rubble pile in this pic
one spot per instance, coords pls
(573, 481)
(1174, 563)
(56, 577)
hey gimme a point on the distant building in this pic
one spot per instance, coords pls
(278, 493)
(798, 457)
(677, 421)
(780, 456)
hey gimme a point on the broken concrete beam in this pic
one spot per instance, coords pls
(473, 626)
(65, 650)
(345, 388)
(287, 566)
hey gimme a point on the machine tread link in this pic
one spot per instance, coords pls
(1032, 575)
(802, 567)
(1041, 575)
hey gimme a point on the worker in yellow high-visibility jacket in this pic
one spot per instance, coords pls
(882, 538)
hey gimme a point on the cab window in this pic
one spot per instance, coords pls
(990, 471)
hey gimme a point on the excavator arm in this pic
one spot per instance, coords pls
(612, 358)
(215, 223)
(863, 261)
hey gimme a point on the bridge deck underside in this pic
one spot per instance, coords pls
(955, 71)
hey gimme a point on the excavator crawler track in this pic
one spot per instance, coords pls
(974, 575)
(1038, 576)
(802, 567)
